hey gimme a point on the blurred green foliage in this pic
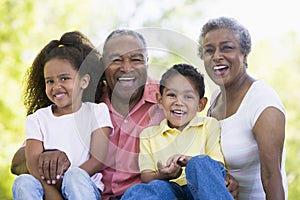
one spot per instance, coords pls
(26, 26)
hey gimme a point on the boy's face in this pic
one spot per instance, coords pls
(180, 101)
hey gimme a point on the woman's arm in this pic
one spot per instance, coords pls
(98, 151)
(269, 132)
(32, 151)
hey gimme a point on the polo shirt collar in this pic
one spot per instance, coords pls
(198, 120)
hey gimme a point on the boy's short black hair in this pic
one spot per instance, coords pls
(185, 70)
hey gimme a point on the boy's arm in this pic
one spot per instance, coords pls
(98, 151)
(168, 172)
(32, 151)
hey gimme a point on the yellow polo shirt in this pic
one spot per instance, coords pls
(200, 136)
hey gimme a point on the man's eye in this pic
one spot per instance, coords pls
(116, 60)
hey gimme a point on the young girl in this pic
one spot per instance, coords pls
(58, 119)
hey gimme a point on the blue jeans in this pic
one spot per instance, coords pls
(205, 180)
(76, 184)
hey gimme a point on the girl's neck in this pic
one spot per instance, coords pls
(65, 110)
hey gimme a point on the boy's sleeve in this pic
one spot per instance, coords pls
(146, 160)
(213, 143)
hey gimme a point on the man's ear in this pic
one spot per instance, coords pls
(202, 103)
(159, 100)
(85, 80)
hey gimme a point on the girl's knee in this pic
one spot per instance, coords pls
(25, 180)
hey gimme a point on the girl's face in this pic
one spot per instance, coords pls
(222, 56)
(180, 101)
(64, 87)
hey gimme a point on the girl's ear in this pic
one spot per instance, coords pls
(159, 100)
(85, 80)
(202, 104)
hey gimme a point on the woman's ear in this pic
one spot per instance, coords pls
(85, 80)
(159, 100)
(202, 103)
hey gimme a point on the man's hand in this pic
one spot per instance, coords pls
(232, 185)
(52, 165)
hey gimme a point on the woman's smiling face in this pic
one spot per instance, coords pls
(222, 56)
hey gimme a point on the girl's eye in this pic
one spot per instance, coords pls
(49, 81)
(64, 78)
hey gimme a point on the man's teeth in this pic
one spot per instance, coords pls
(220, 67)
(126, 79)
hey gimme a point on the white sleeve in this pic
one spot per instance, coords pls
(33, 129)
(101, 117)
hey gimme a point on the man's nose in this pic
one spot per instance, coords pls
(126, 65)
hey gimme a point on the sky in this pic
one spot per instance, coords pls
(263, 18)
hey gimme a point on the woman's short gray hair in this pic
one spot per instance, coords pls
(229, 23)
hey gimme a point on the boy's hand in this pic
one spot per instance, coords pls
(170, 171)
(181, 160)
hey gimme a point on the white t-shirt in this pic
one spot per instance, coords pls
(239, 145)
(70, 133)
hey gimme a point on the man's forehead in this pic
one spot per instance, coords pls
(124, 44)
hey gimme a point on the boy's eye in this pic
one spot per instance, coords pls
(171, 95)
(188, 96)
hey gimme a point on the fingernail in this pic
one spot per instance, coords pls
(57, 177)
(42, 177)
(49, 182)
(53, 182)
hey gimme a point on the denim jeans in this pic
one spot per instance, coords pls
(76, 184)
(205, 181)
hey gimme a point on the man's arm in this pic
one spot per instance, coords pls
(51, 164)
(18, 163)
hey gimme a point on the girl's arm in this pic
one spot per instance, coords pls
(269, 132)
(98, 151)
(32, 151)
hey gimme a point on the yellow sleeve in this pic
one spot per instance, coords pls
(146, 160)
(213, 143)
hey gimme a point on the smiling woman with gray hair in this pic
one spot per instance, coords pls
(251, 114)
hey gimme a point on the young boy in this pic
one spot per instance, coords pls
(181, 158)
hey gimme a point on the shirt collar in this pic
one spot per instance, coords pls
(198, 120)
